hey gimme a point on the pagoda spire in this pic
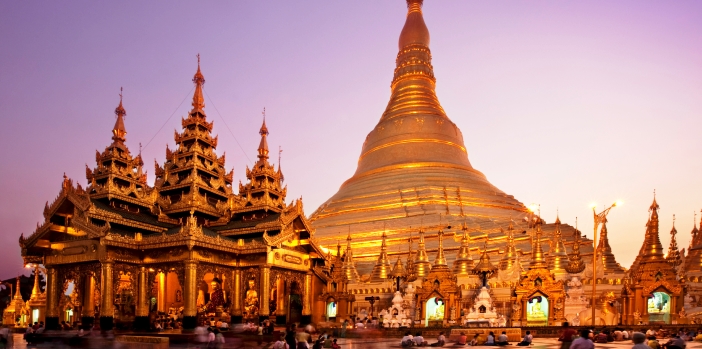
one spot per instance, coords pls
(652, 248)
(36, 291)
(510, 256)
(263, 145)
(18, 294)
(693, 233)
(463, 264)
(381, 270)
(440, 260)
(604, 250)
(484, 268)
(119, 132)
(422, 266)
(575, 261)
(349, 267)
(537, 256)
(198, 98)
(557, 256)
(673, 256)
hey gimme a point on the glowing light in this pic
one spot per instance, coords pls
(593, 205)
(533, 207)
(619, 203)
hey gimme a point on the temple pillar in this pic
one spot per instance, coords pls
(52, 296)
(107, 306)
(236, 297)
(265, 311)
(141, 321)
(280, 310)
(342, 306)
(190, 295)
(307, 300)
(161, 299)
(88, 314)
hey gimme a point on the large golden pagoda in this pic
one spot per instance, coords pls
(414, 167)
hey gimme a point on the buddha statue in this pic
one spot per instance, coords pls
(217, 301)
(251, 300)
(537, 312)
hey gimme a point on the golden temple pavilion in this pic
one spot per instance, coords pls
(188, 246)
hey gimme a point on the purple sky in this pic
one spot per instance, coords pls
(560, 103)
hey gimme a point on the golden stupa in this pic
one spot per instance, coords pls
(414, 172)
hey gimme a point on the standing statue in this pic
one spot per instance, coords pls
(216, 297)
(251, 301)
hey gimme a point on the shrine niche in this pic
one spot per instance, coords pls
(251, 293)
(539, 300)
(438, 297)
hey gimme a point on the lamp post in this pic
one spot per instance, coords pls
(599, 218)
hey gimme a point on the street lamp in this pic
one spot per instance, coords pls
(599, 218)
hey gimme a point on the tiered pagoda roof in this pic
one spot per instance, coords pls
(604, 250)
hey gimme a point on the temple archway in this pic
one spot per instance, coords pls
(658, 306)
(331, 309)
(434, 310)
(537, 310)
(295, 302)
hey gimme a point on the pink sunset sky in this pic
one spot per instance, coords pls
(560, 103)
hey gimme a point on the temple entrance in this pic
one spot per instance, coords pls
(435, 309)
(166, 299)
(69, 302)
(125, 298)
(537, 311)
(659, 307)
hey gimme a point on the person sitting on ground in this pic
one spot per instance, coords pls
(334, 345)
(583, 342)
(526, 341)
(675, 343)
(601, 337)
(653, 343)
(502, 339)
(490, 339)
(211, 338)
(440, 341)
(639, 338)
(650, 333)
(359, 324)
(462, 339)
(407, 340)
(419, 340)
(625, 334)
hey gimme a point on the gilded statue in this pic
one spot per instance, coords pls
(217, 301)
(251, 300)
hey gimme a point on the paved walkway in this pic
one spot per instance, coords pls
(382, 343)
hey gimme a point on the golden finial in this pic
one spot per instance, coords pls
(198, 59)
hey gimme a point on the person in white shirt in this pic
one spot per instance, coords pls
(407, 340)
(440, 341)
(419, 340)
(490, 339)
(650, 333)
(625, 334)
(360, 324)
(211, 339)
(527, 340)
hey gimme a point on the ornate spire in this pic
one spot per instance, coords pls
(349, 267)
(381, 270)
(673, 256)
(510, 256)
(398, 270)
(415, 31)
(18, 294)
(198, 99)
(557, 256)
(604, 250)
(422, 266)
(653, 249)
(440, 260)
(537, 255)
(463, 264)
(409, 268)
(650, 265)
(693, 233)
(119, 132)
(263, 146)
(575, 261)
(36, 291)
(484, 268)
